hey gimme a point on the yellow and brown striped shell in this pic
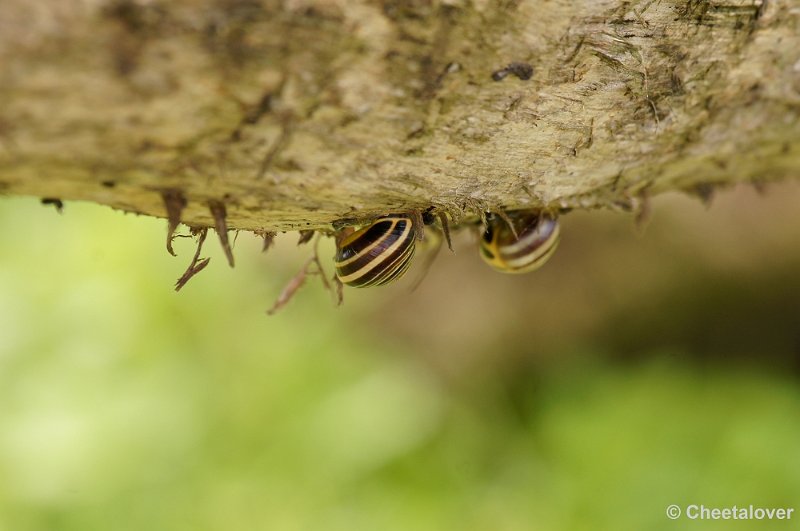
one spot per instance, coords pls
(376, 254)
(526, 248)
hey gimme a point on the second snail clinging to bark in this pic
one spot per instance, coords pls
(519, 242)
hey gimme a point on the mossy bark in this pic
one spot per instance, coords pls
(298, 113)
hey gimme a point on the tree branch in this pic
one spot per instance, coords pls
(295, 114)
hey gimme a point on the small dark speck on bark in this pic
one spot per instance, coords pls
(523, 71)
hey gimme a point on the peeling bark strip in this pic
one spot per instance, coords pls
(303, 113)
(219, 214)
(445, 230)
(174, 202)
(291, 288)
(197, 264)
(58, 203)
(269, 239)
(305, 237)
(313, 266)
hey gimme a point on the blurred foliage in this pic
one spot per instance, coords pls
(630, 373)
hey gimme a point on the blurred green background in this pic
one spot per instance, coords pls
(637, 369)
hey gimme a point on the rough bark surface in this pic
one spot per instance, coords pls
(299, 113)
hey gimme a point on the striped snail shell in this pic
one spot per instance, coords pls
(524, 248)
(376, 254)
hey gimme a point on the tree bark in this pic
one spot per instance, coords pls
(296, 114)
